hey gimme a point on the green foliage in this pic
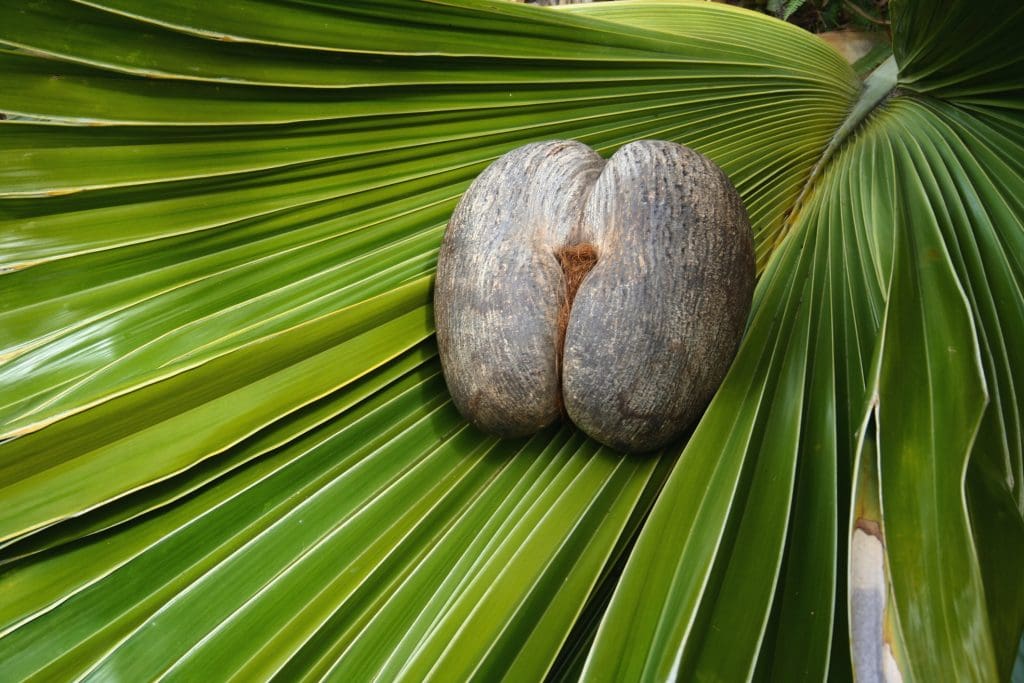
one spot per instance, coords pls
(784, 8)
(826, 15)
(226, 447)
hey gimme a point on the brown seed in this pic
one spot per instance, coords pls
(620, 289)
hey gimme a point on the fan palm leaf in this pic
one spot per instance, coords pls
(228, 448)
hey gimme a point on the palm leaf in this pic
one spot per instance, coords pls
(229, 448)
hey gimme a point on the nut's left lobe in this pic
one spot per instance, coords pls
(500, 286)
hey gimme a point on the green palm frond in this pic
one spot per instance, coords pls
(226, 448)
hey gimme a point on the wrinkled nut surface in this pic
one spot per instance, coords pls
(616, 291)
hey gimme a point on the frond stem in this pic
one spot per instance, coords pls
(877, 86)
